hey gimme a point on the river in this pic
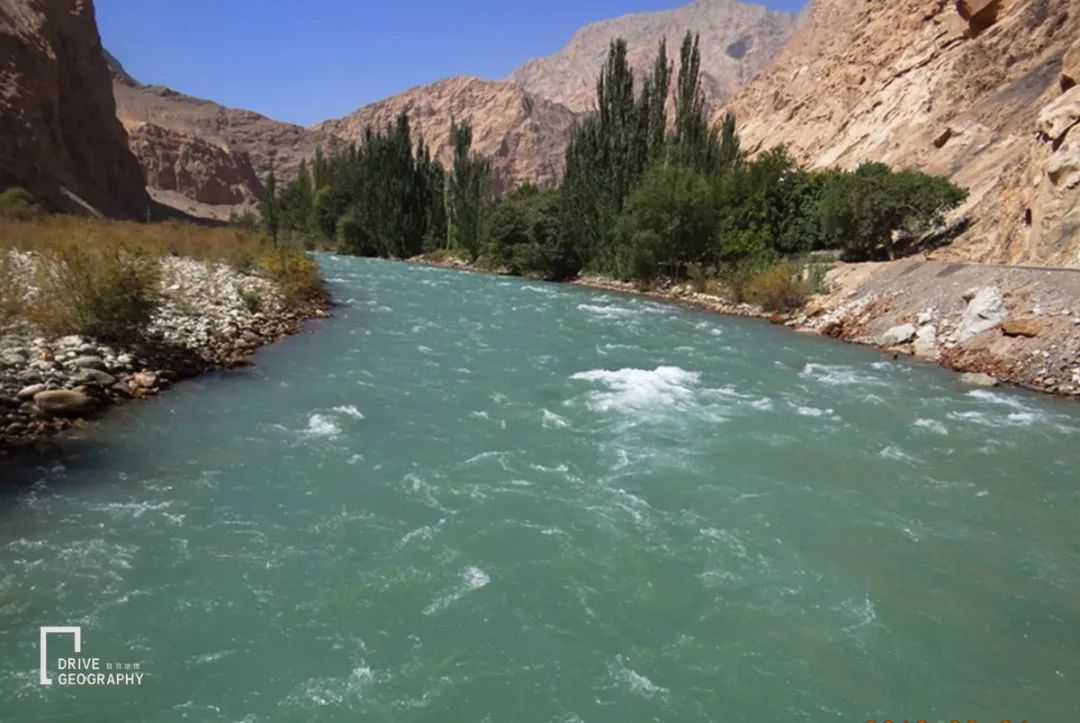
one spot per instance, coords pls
(471, 498)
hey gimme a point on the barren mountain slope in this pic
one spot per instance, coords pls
(737, 41)
(523, 135)
(59, 136)
(202, 157)
(980, 90)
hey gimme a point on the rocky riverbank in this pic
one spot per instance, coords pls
(211, 316)
(994, 324)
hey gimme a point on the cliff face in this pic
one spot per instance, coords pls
(59, 135)
(982, 91)
(180, 167)
(737, 42)
(203, 158)
(524, 136)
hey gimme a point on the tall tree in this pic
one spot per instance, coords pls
(468, 193)
(694, 143)
(268, 206)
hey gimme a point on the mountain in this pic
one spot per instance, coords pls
(737, 42)
(59, 136)
(524, 135)
(201, 157)
(983, 91)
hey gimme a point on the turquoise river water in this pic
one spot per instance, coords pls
(470, 498)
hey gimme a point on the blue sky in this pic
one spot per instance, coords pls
(306, 61)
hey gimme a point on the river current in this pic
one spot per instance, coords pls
(472, 498)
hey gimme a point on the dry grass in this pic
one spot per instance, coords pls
(10, 298)
(778, 288)
(97, 290)
(100, 278)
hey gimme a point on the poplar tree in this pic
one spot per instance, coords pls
(468, 193)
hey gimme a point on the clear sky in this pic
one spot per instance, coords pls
(305, 61)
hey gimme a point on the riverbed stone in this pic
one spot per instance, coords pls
(88, 362)
(898, 335)
(978, 379)
(64, 403)
(30, 391)
(94, 376)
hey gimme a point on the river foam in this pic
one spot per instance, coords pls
(640, 389)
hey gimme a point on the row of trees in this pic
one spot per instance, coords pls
(643, 195)
(385, 197)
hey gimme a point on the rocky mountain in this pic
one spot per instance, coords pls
(524, 135)
(201, 157)
(737, 42)
(983, 91)
(59, 135)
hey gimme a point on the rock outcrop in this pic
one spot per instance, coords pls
(59, 135)
(737, 42)
(203, 158)
(983, 91)
(525, 136)
(193, 168)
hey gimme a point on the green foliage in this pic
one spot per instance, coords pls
(671, 220)
(468, 194)
(246, 221)
(694, 144)
(609, 153)
(269, 207)
(16, 204)
(876, 212)
(525, 236)
(381, 198)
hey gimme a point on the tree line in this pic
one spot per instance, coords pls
(643, 196)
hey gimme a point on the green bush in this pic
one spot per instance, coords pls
(524, 236)
(875, 212)
(16, 204)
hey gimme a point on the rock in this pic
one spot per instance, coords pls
(88, 362)
(898, 335)
(978, 379)
(985, 310)
(30, 391)
(9, 402)
(95, 376)
(64, 403)
(12, 360)
(926, 346)
(144, 380)
(1020, 327)
(924, 317)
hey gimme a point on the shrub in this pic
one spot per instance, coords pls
(10, 298)
(17, 204)
(777, 288)
(295, 273)
(105, 292)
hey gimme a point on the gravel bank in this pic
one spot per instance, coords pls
(211, 317)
